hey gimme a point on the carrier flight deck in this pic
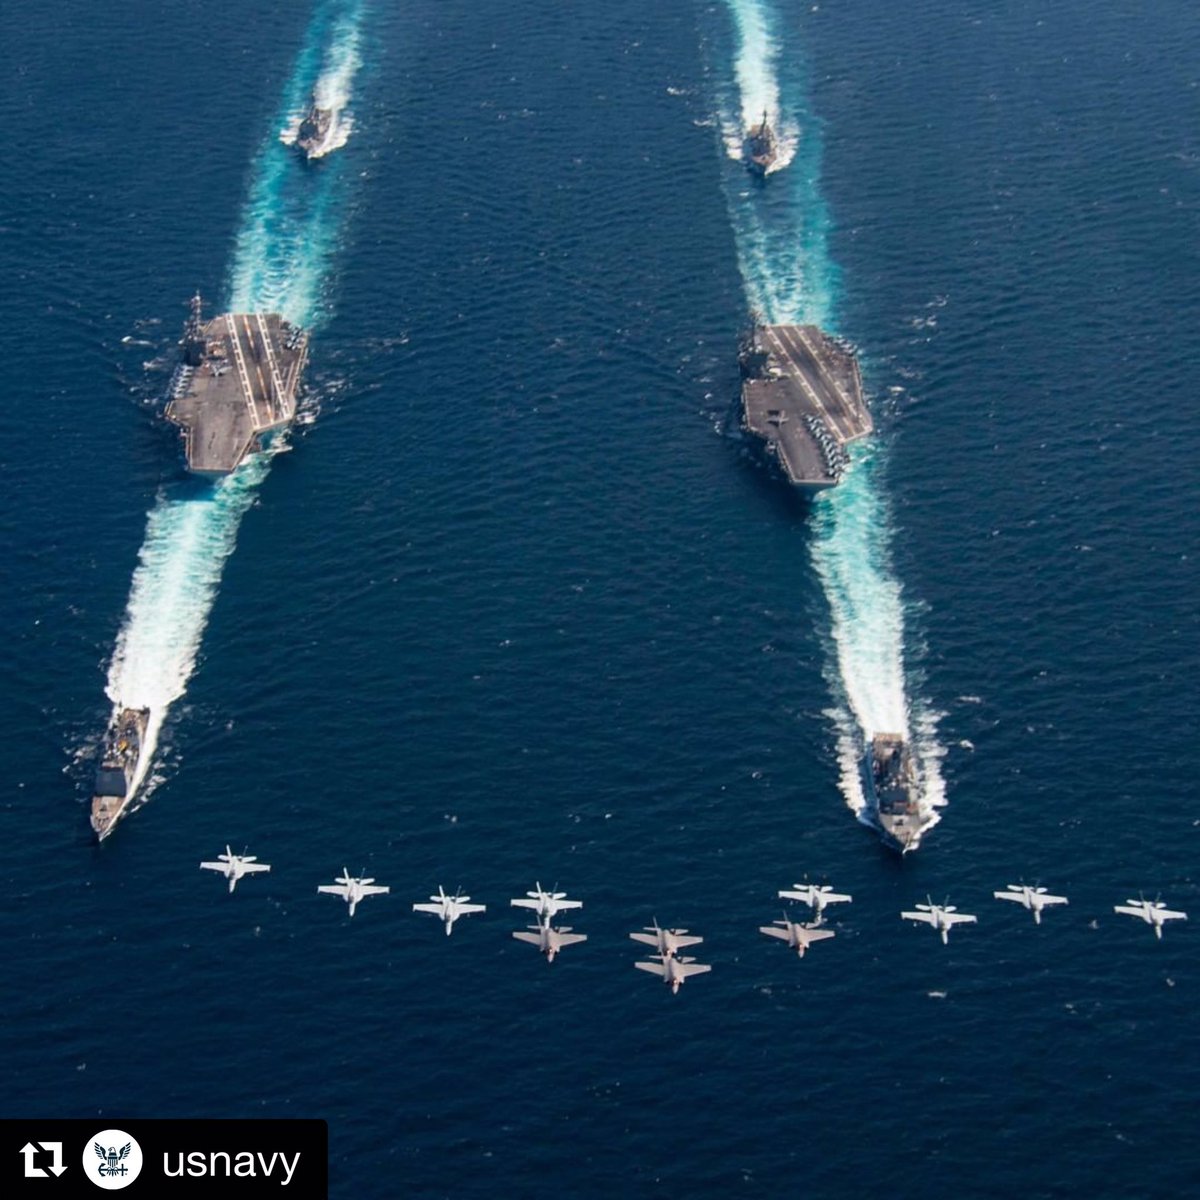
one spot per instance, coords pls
(239, 378)
(802, 399)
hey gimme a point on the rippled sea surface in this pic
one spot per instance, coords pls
(517, 605)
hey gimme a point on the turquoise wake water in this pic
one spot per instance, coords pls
(288, 234)
(791, 277)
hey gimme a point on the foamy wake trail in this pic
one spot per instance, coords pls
(756, 84)
(333, 89)
(790, 277)
(288, 232)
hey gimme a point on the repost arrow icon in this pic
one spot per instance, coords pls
(57, 1167)
(31, 1172)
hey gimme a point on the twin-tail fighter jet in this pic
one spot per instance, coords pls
(546, 904)
(940, 916)
(1032, 898)
(549, 940)
(1154, 912)
(352, 888)
(798, 936)
(673, 969)
(816, 897)
(234, 866)
(666, 942)
(449, 908)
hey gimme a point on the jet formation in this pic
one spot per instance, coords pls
(665, 961)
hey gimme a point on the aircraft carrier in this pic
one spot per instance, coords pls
(238, 379)
(802, 399)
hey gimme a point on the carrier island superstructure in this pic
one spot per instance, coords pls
(238, 379)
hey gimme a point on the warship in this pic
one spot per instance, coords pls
(237, 380)
(310, 137)
(119, 767)
(802, 401)
(761, 148)
(892, 790)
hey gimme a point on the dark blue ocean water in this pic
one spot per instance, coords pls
(517, 605)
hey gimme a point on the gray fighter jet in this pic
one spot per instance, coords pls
(234, 866)
(1033, 898)
(799, 937)
(352, 888)
(673, 970)
(941, 916)
(816, 897)
(549, 940)
(449, 908)
(546, 904)
(1154, 912)
(666, 941)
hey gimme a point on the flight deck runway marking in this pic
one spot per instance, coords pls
(803, 381)
(243, 374)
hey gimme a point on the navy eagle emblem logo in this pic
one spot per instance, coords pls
(111, 1162)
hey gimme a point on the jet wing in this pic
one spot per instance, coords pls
(373, 890)
(459, 909)
(686, 969)
(1043, 898)
(1017, 896)
(436, 909)
(814, 935)
(215, 866)
(534, 939)
(1167, 915)
(775, 932)
(250, 868)
(959, 918)
(653, 967)
(334, 889)
(835, 897)
(1133, 910)
(526, 903)
(570, 939)
(927, 917)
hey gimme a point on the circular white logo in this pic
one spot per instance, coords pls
(112, 1159)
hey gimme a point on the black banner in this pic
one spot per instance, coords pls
(65, 1160)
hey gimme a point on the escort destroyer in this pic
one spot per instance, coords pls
(120, 765)
(802, 401)
(238, 380)
(893, 791)
(761, 148)
(314, 129)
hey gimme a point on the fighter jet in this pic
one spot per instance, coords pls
(940, 916)
(546, 904)
(549, 940)
(799, 937)
(816, 897)
(449, 908)
(234, 866)
(1033, 898)
(673, 970)
(666, 941)
(1153, 912)
(352, 889)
